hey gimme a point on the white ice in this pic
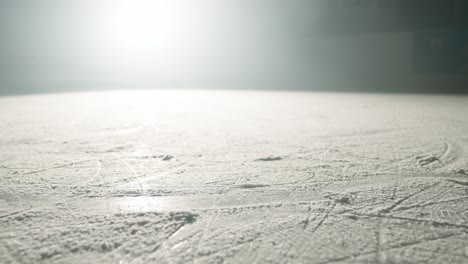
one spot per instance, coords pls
(233, 177)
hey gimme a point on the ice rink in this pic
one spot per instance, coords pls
(201, 176)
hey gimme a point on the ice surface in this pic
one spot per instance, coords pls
(233, 177)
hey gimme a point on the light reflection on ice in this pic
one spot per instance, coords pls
(147, 204)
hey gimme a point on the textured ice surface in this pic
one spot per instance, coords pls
(233, 177)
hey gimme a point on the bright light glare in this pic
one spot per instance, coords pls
(170, 41)
(145, 30)
(127, 25)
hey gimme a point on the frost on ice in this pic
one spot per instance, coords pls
(233, 177)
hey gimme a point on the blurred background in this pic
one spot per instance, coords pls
(317, 45)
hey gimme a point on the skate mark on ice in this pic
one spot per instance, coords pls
(398, 246)
(402, 200)
(270, 158)
(426, 160)
(410, 219)
(450, 154)
(425, 204)
(56, 167)
(463, 183)
(251, 186)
